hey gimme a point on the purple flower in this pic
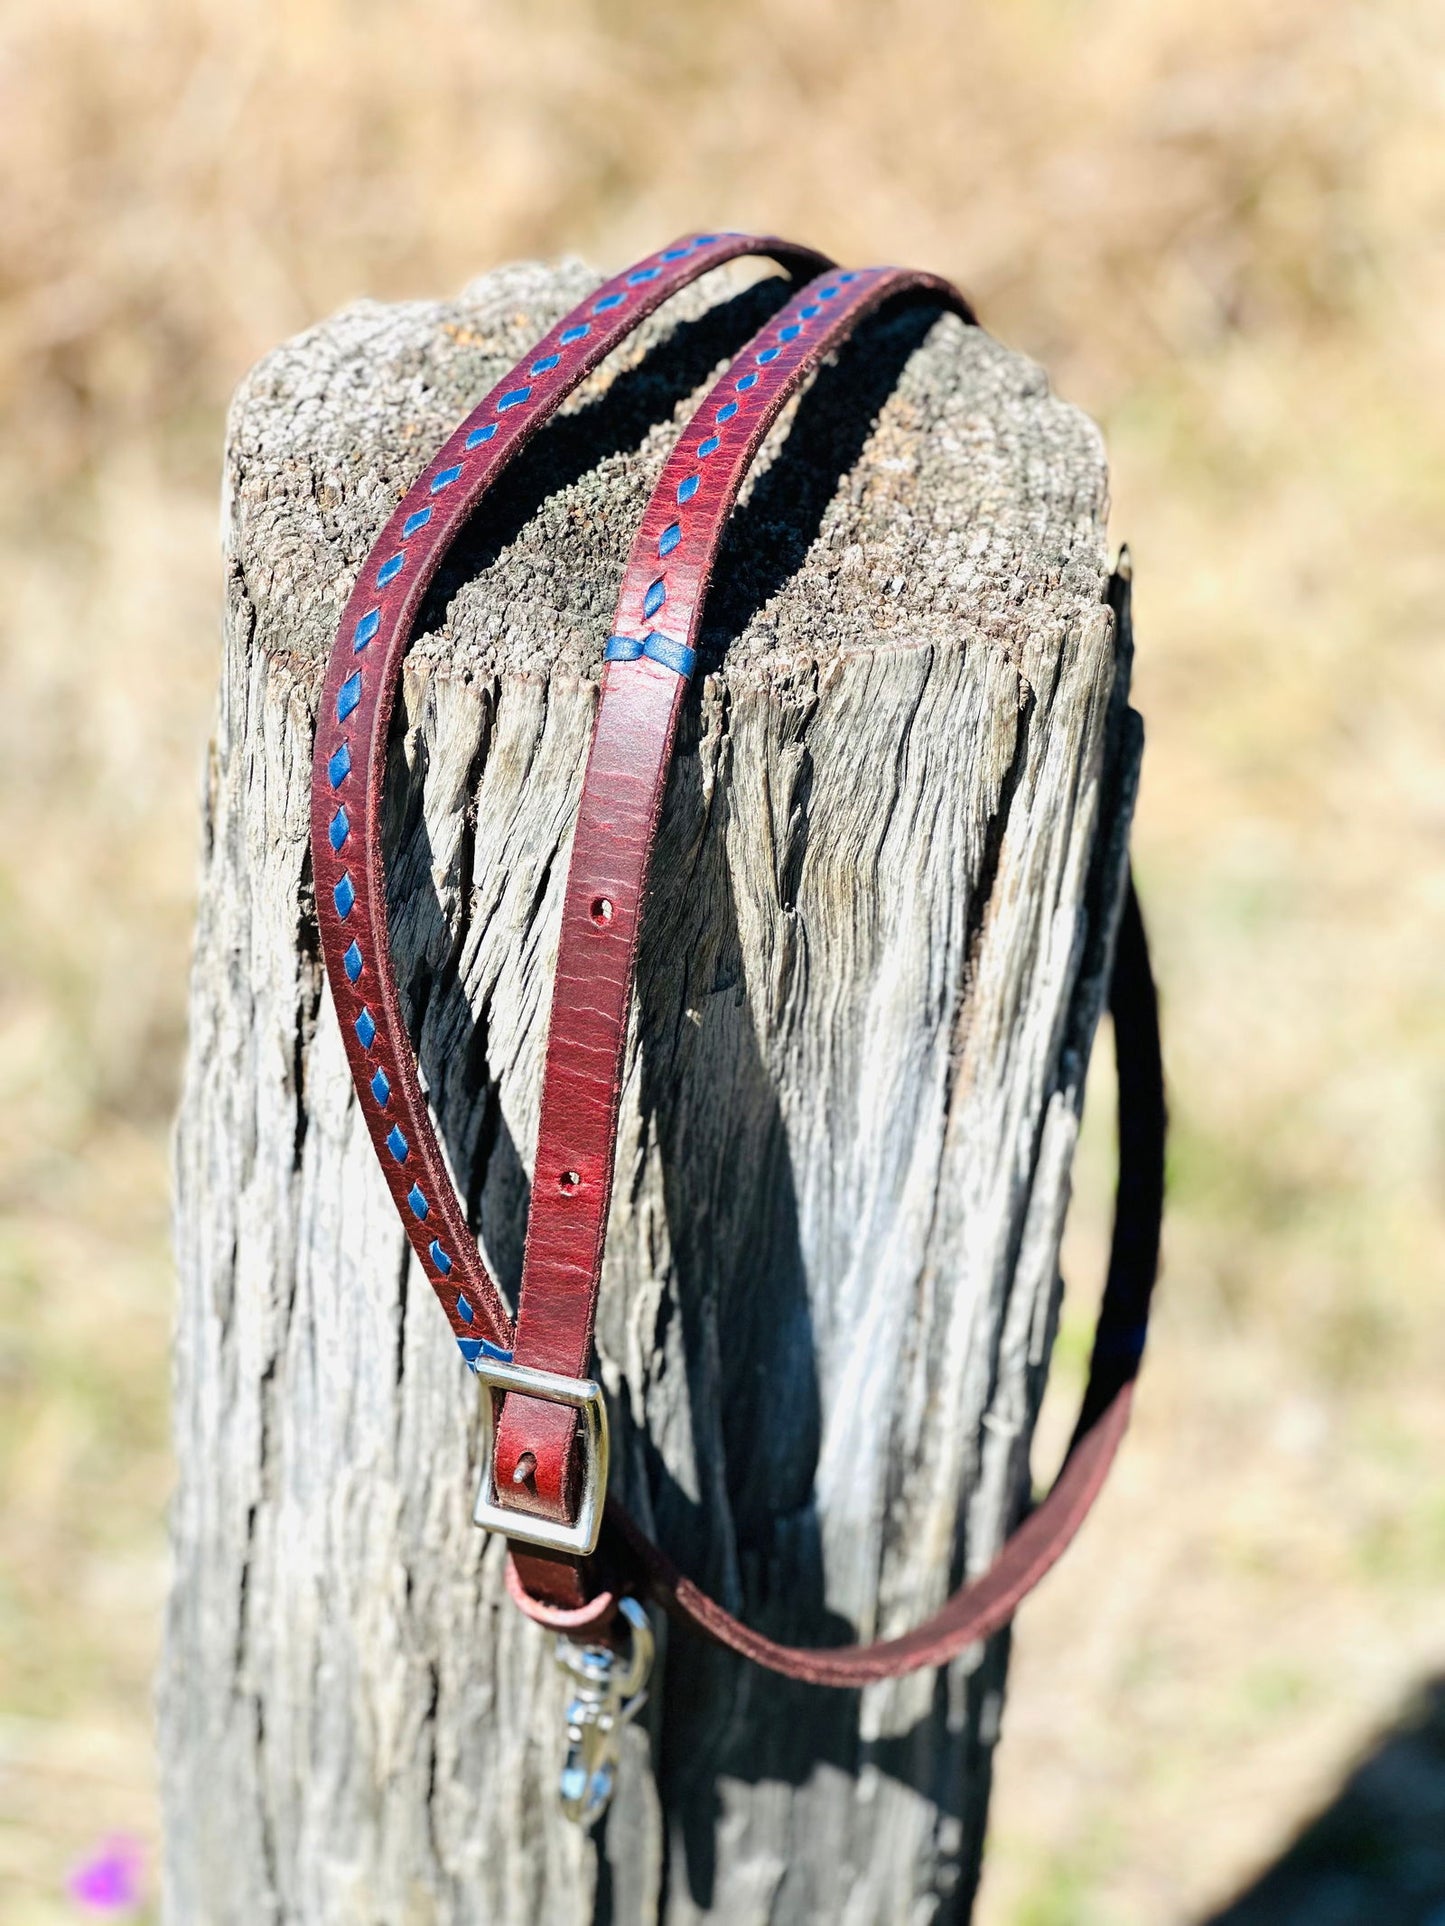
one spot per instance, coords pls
(108, 1883)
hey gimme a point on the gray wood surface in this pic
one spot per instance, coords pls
(872, 967)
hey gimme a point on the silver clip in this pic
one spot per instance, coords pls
(609, 1690)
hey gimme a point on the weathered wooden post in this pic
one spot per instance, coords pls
(875, 957)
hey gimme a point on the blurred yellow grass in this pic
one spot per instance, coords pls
(1221, 228)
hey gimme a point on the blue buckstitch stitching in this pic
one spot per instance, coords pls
(347, 696)
(445, 478)
(365, 629)
(639, 275)
(708, 447)
(726, 412)
(807, 313)
(417, 1199)
(545, 365)
(569, 335)
(767, 355)
(655, 597)
(389, 571)
(344, 896)
(352, 962)
(688, 487)
(340, 829)
(513, 398)
(608, 301)
(339, 767)
(397, 1144)
(744, 382)
(381, 1088)
(365, 1028)
(479, 435)
(414, 522)
(789, 333)
(668, 540)
(464, 1310)
(439, 1257)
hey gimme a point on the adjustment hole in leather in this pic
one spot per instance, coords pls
(601, 911)
(569, 1183)
(526, 1469)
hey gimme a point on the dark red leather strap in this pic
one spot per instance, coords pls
(649, 661)
(981, 1608)
(658, 612)
(651, 657)
(350, 757)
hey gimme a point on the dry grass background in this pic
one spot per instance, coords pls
(1220, 226)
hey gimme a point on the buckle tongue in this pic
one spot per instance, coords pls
(609, 1690)
(522, 1527)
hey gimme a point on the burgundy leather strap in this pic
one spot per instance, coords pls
(658, 611)
(349, 764)
(981, 1608)
(649, 660)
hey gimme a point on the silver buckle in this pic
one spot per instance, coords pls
(607, 1691)
(585, 1396)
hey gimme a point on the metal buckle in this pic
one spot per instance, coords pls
(607, 1691)
(585, 1396)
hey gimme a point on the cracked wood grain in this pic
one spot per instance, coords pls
(872, 965)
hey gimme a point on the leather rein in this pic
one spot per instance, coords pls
(578, 1560)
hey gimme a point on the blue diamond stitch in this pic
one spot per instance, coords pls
(608, 301)
(365, 1028)
(569, 335)
(439, 1257)
(465, 1311)
(745, 382)
(545, 365)
(339, 767)
(419, 1205)
(655, 597)
(789, 333)
(414, 522)
(365, 629)
(446, 478)
(351, 962)
(381, 1088)
(340, 829)
(389, 571)
(479, 435)
(726, 412)
(347, 696)
(767, 355)
(708, 447)
(513, 398)
(687, 489)
(668, 540)
(397, 1144)
(344, 896)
